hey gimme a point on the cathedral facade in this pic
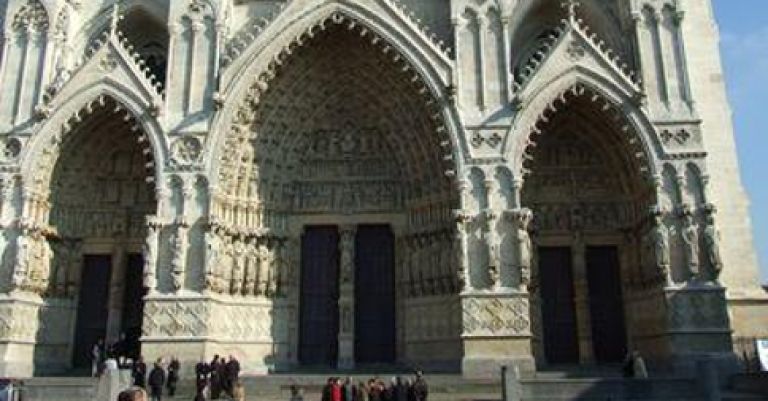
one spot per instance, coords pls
(447, 184)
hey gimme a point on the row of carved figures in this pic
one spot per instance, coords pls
(697, 240)
(483, 234)
(237, 262)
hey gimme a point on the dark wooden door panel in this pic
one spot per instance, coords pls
(606, 304)
(557, 306)
(133, 304)
(319, 324)
(374, 295)
(93, 307)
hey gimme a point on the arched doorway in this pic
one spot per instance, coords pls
(341, 156)
(99, 197)
(590, 198)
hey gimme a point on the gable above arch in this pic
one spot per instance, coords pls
(571, 46)
(298, 22)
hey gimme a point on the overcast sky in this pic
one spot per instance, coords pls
(744, 42)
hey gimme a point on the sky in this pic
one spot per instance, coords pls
(744, 46)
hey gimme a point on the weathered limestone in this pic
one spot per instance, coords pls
(187, 145)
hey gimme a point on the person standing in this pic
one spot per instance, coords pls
(156, 381)
(216, 368)
(327, 390)
(232, 374)
(97, 356)
(140, 373)
(336, 390)
(173, 376)
(420, 388)
(201, 375)
(400, 390)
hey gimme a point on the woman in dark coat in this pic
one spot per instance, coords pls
(217, 377)
(140, 373)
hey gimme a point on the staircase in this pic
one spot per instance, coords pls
(546, 386)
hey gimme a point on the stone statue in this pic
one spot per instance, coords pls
(20, 267)
(493, 274)
(712, 246)
(265, 263)
(460, 248)
(347, 252)
(179, 256)
(524, 247)
(690, 235)
(250, 263)
(238, 250)
(212, 244)
(150, 255)
(659, 239)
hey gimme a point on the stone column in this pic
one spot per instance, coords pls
(346, 355)
(581, 301)
(116, 293)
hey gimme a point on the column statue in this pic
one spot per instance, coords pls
(19, 278)
(180, 254)
(149, 250)
(212, 244)
(461, 218)
(492, 242)
(712, 245)
(690, 235)
(659, 239)
(238, 257)
(250, 264)
(524, 247)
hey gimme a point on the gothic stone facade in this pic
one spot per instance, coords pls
(558, 181)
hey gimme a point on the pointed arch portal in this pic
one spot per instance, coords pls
(92, 193)
(341, 148)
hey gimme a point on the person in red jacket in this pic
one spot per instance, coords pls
(336, 390)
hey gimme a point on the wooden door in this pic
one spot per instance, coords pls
(319, 300)
(92, 307)
(374, 295)
(606, 303)
(561, 344)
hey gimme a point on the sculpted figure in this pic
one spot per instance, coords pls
(20, 267)
(460, 250)
(712, 247)
(150, 255)
(212, 245)
(524, 247)
(250, 262)
(238, 254)
(690, 236)
(265, 262)
(179, 257)
(660, 243)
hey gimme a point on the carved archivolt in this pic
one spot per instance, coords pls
(340, 121)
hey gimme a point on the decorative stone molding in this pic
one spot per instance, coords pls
(176, 318)
(495, 315)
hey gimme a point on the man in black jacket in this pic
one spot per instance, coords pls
(232, 371)
(156, 381)
(420, 388)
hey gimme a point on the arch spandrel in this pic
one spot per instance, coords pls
(242, 80)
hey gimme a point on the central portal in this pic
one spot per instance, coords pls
(334, 324)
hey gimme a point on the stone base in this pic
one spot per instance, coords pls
(490, 368)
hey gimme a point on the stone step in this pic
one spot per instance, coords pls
(601, 388)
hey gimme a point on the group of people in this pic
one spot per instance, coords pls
(122, 351)
(158, 378)
(375, 389)
(217, 378)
